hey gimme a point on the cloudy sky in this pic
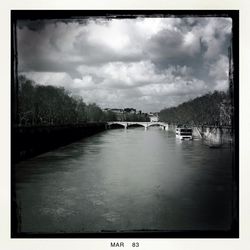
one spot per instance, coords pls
(144, 63)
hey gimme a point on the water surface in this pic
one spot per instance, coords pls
(126, 180)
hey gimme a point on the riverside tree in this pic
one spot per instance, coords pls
(210, 109)
(50, 105)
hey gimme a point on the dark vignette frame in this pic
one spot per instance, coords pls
(83, 14)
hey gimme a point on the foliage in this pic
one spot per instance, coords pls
(210, 109)
(50, 105)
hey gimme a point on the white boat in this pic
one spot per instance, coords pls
(184, 133)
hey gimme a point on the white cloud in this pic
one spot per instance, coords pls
(219, 71)
(214, 34)
(124, 75)
(177, 87)
(86, 82)
(50, 78)
(191, 43)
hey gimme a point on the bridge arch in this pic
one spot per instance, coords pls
(131, 124)
(118, 123)
(161, 124)
(154, 124)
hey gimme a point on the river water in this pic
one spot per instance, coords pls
(126, 180)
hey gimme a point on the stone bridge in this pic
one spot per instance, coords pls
(125, 124)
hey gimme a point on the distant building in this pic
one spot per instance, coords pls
(128, 114)
(153, 117)
(117, 111)
(130, 110)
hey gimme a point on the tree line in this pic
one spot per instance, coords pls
(50, 105)
(210, 109)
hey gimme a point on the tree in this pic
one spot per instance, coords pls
(50, 105)
(210, 109)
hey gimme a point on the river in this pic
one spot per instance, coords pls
(126, 179)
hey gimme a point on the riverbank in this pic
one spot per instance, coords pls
(212, 134)
(29, 141)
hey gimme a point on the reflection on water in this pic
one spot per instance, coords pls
(126, 180)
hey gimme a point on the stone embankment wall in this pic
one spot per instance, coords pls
(30, 141)
(217, 135)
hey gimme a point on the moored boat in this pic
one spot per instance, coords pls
(184, 133)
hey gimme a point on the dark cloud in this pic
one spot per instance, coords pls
(165, 45)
